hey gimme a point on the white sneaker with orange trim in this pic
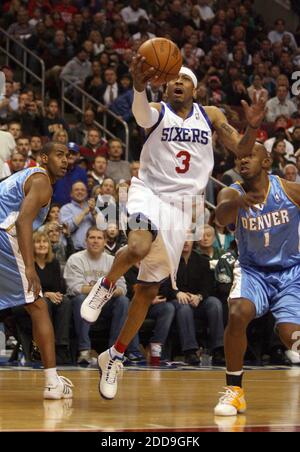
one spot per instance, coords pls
(232, 402)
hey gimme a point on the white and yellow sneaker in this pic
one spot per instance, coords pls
(232, 402)
(62, 390)
(109, 369)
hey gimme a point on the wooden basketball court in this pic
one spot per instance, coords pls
(150, 400)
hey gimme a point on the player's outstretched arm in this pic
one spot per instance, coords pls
(38, 192)
(227, 206)
(241, 145)
(146, 115)
(230, 201)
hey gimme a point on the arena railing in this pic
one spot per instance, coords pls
(77, 98)
(6, 43)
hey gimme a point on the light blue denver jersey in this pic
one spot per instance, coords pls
(269, 237)
(12, 196)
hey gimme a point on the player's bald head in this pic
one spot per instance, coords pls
(259, 147)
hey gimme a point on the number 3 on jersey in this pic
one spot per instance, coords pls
(185, 157)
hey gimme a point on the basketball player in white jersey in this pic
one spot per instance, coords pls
(176, 162)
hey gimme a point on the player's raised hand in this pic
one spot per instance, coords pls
(140, 77)
(34, 283)
(255, 112)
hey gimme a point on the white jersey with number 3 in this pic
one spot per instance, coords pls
(177, 156)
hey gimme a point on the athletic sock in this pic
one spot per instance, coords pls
(115, 351)
(51, 376)
(234, 378)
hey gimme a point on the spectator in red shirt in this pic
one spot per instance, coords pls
(95, 146)
(66, 10)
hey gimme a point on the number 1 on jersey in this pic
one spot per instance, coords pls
(185, 162)
(267, 239)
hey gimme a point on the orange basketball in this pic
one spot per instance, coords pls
(164, 56)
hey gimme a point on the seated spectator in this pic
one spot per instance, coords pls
(15, 129)
(53, 214)
(279, 157)
(224, 237)
(290, 172)
(106, 206)
(59, 306)
(206, 246)
(77, 69)
(94, 81)
(59, 51)
(132, 13)
(81, 272)
(79, 133)
(160, 311)
(280, 105)
(216, 94)
(231, 176)
(23, 147)
(98, 172)
(61, 242)
(61, 136)
(296, 137)
(62, 188)
(114, 240)
(117, 169)
(21, 29)
(279, 31)
(95, 146)
(110, 90)
(194, 298)
(206, 13)
(36, 145)
(53, 122)
(79, 215)
(256, 89)
(16, 163)
(282, 136)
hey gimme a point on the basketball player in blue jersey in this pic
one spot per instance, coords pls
(25, 199)
(176, 162)
(266, 215)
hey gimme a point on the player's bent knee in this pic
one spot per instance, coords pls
(240, 315)
(138, 250)
(37, 307)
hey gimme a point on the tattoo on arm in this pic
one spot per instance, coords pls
(226, 128)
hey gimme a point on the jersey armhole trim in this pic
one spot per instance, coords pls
(42, 171)
(287, 195)
(205, 115)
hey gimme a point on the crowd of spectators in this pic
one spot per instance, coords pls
(236, 56)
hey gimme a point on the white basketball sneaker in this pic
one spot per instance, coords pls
(62, 390)
(109, 369)
(96, 299)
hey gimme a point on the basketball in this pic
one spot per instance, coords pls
(164, 56)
